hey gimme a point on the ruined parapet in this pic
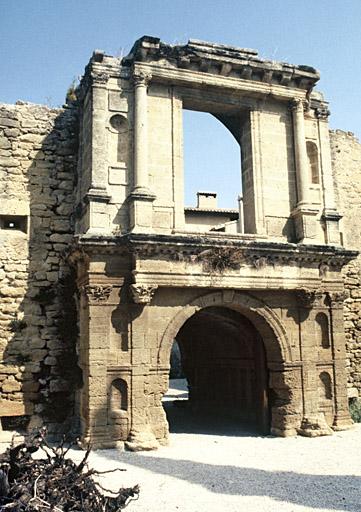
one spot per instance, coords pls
(38, 150)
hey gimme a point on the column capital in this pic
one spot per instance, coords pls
(298, 105)
(337, 298)
(99, 78)
(322, 112)
(96, 294)
(142, 293)
(308, 298)
(141, 78)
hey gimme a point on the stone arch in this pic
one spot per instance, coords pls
(325, 386)
(118, 398)
(266, 322)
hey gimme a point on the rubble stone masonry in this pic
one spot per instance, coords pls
(346, 156)
(38, 373)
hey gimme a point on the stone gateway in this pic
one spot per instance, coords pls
(103, 267)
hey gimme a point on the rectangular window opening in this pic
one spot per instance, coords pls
(14, 223)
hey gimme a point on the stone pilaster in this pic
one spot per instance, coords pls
(253, 197)
(304, 214)
(313, 423)
(141, 436)
(342, 419)
(94, 326)
(97, 194)
(330, 215)
(286, 383)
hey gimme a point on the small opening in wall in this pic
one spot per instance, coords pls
(18, 423)
(323, 330)
(312, 154)
(14, 222)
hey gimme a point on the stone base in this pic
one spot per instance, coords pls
(141, 440)
(101, 443)
(288, 432)
(141, 210)
(305, 224)
(314, 426)
(342, 422)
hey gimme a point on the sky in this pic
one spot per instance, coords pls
(45, 45)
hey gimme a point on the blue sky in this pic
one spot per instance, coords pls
(45, 44)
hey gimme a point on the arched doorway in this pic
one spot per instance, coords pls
(223, 360)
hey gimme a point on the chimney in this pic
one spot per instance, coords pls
(207, 200)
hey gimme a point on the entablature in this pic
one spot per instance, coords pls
(220, 60)
(204, 261)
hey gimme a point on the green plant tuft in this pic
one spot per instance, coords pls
(355, 410)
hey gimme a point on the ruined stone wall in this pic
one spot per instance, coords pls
(38, 372)
(346, 159)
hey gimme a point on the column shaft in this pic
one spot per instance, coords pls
(141, 135)
(302, 170)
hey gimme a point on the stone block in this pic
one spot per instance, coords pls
(12, 408)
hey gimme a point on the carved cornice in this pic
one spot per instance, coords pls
(189, 248)
(242, 63)
(97, 293)
(142, 293)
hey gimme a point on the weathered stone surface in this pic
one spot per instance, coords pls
(145, 270)
(346, 155)
(12, 408)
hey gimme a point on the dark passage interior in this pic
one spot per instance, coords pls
(222, 358)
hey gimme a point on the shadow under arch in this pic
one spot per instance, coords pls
(266, 322)
(279, 400)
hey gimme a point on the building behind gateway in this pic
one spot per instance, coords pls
(103, 266)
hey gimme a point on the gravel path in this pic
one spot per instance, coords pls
(209, 473)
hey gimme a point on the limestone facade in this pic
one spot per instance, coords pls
(104, 266)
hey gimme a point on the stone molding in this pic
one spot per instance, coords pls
(142, 293)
